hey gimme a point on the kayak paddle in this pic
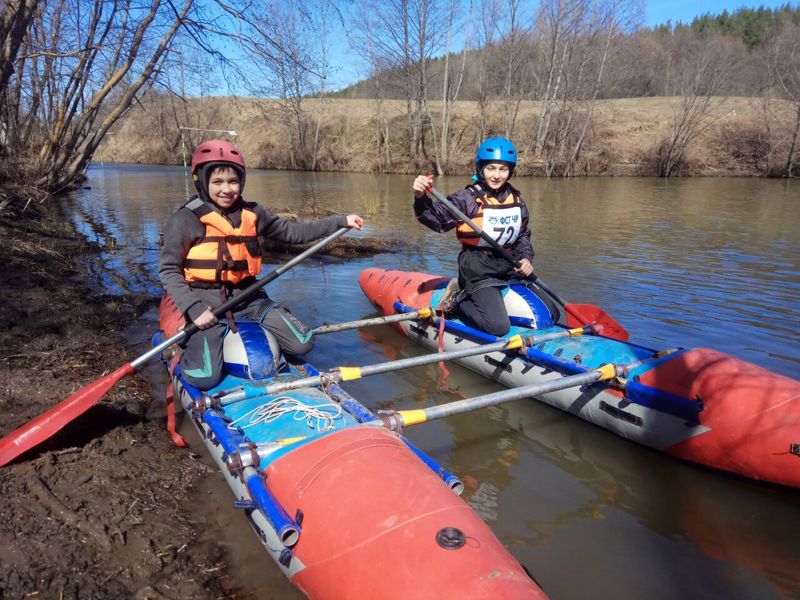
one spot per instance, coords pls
(577, 314)
(51, 421)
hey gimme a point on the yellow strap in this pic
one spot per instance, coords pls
(514, 342)
(607, 372)
(350, 373)
(575, 332)
(412, 417)
(291, 440)
(425, 313)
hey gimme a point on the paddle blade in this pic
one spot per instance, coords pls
(50, 422)
(583, 314)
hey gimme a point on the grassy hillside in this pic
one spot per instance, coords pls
(623, 139)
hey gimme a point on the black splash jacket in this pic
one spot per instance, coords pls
(477, 267)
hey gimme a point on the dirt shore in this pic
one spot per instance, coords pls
(102, 509)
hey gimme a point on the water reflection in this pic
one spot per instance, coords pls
(591, 517)
(712, 263)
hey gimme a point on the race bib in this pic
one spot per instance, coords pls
(503, 224)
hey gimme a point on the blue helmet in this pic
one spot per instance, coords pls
(495, 149)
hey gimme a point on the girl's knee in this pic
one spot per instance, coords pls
(497, 327)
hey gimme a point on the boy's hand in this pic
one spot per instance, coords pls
(421, 185)
(525, 268)
(355, 222)
(206, 319)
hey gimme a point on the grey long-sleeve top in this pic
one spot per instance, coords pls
(183, 230)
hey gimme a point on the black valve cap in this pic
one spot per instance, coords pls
(451, 538)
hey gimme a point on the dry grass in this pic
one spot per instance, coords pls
(624, 133)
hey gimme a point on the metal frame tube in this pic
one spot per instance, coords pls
(452, 481)
(287, 529)
(335, 327)
(641, 394)
(347, 373)
(461, 406)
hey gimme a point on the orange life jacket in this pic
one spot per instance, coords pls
(226, 254)
(502, 220)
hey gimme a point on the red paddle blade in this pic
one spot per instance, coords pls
(583, 314)
(50, 422)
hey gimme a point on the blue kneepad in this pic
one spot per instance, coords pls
(251, 352)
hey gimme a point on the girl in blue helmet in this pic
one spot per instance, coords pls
(497, 207)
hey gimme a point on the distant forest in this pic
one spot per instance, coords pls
(644, 62)
(564, 57)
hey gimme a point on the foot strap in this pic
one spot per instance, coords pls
(179, 440)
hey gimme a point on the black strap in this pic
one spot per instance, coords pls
(199, 263)
(231, 239)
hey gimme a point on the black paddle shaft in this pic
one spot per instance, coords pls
(250, 291)
(606, 320)
(485, 236)
(493, 243)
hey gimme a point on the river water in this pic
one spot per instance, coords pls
(696, 262)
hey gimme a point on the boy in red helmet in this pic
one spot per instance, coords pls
(211, 253)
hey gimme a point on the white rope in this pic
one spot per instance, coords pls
(319, 417)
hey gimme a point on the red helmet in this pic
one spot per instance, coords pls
(216, 151)
(212, 154)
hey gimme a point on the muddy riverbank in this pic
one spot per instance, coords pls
(102, 509)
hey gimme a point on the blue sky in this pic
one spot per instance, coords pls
(349, 68)
(661, 11)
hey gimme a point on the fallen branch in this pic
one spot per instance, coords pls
(51, 502)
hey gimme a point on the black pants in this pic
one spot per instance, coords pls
(485, 309)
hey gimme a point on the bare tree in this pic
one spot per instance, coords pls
(504, 71)
(486, 31)
(451, 86)
(511, 51)
(783, 63)
(79, 68)
(404, 35)
(75, 96)
(700, 66)
(15, 21)
(560, 21)
(609, 22)
(73, 68)
(385, 32)
(377, 70)
(287, 40)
